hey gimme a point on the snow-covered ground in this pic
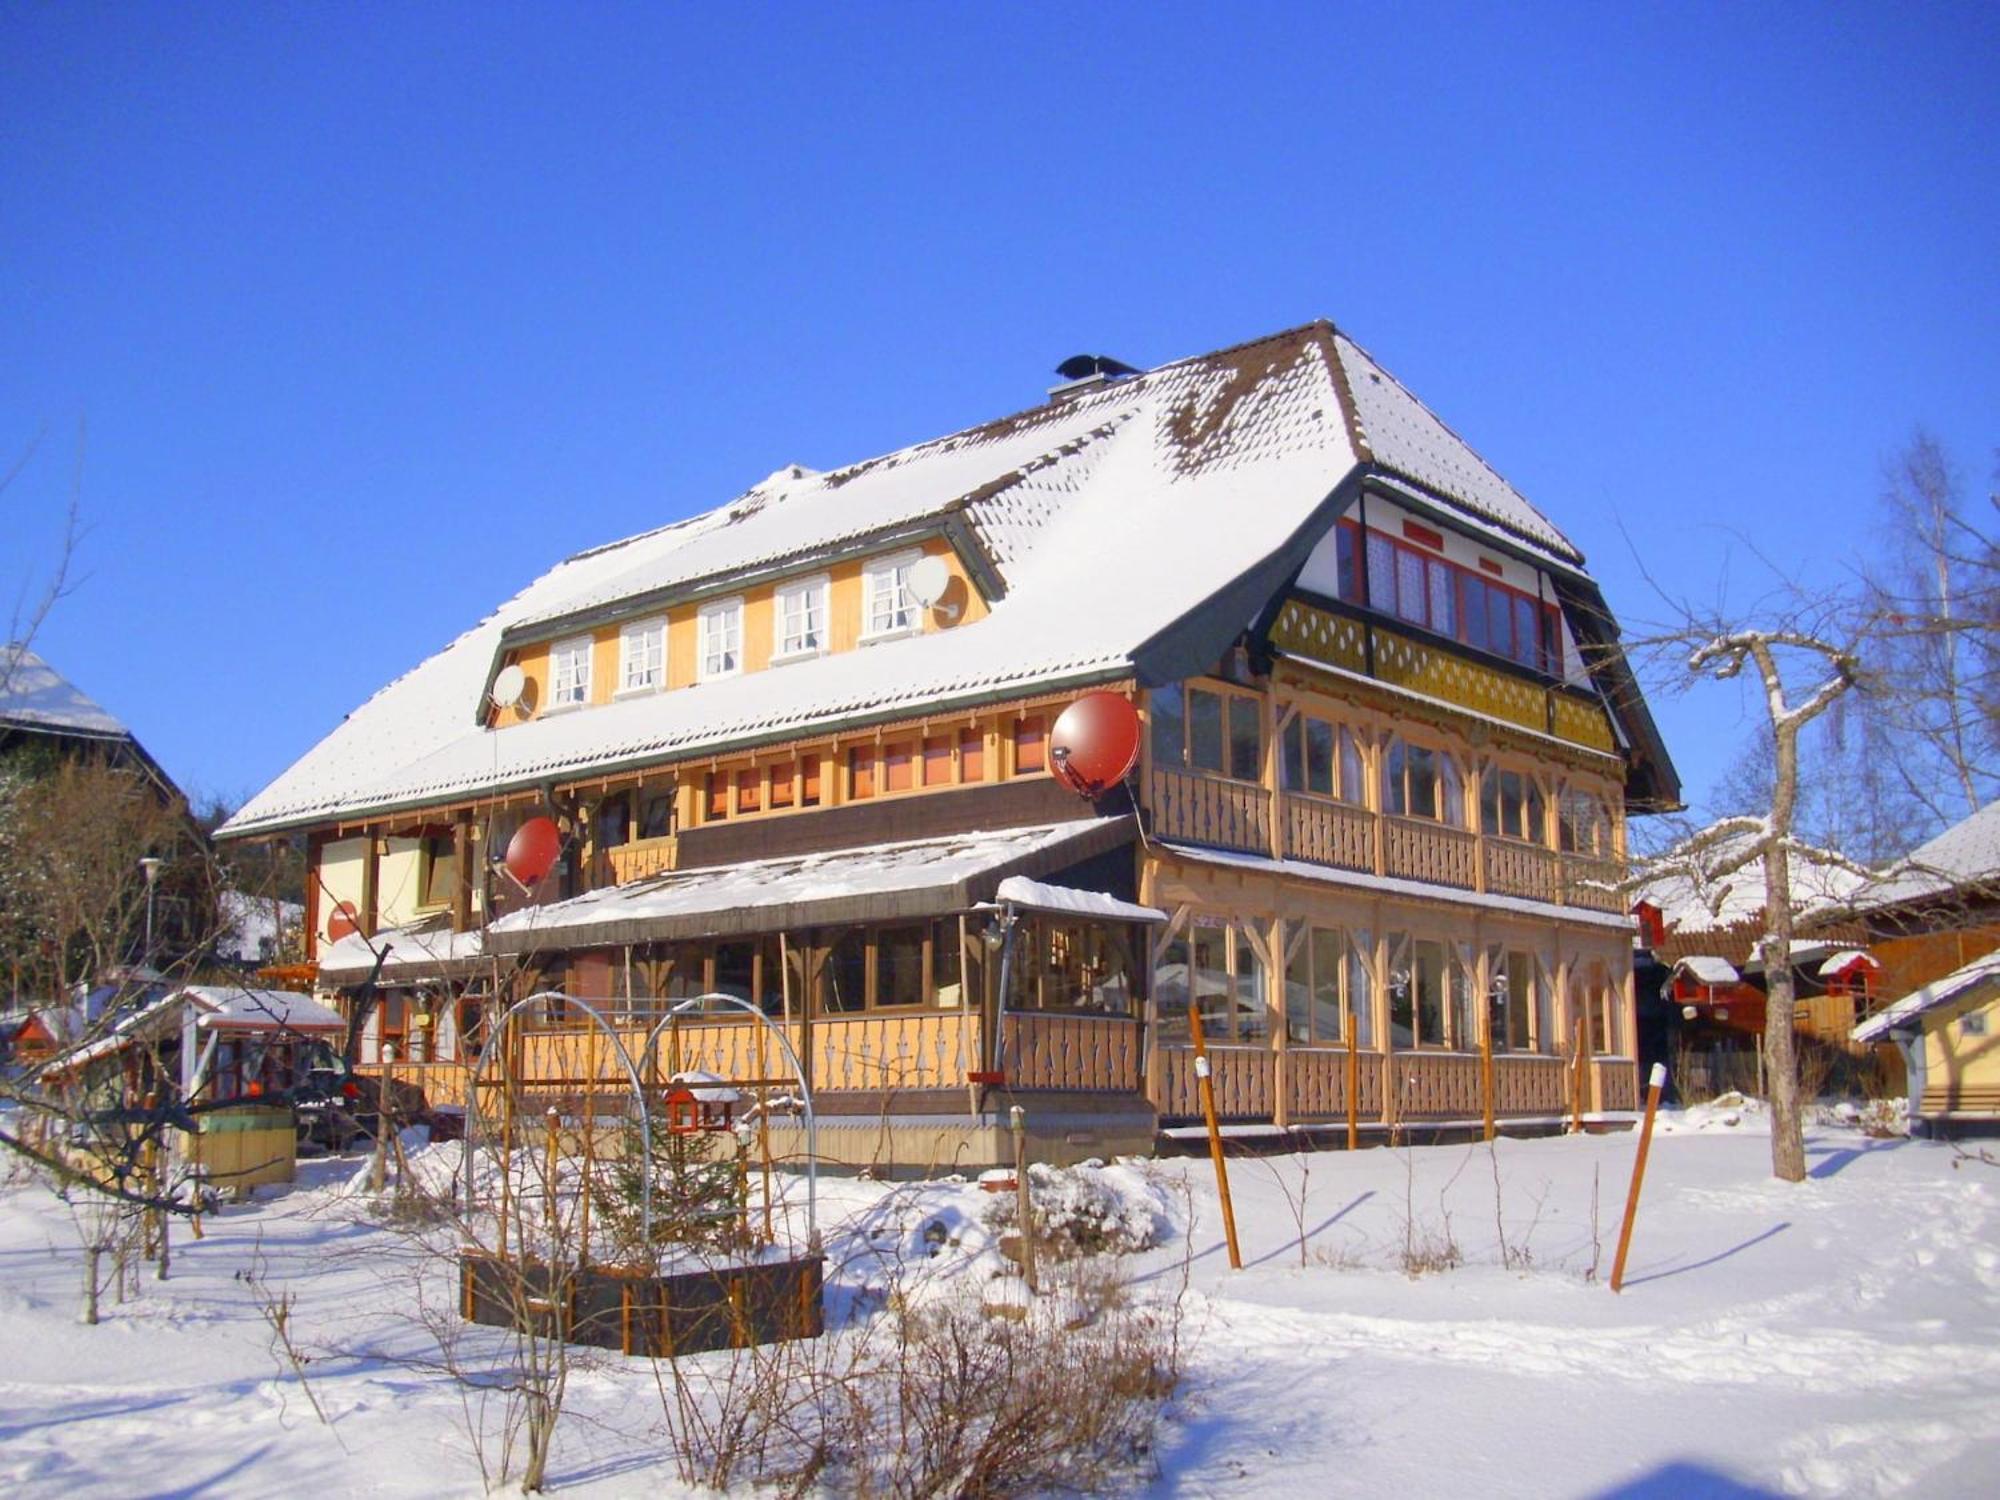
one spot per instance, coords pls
(1838, 1337)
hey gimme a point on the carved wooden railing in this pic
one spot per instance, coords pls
(1211, 810)
(1584, 880)
(1316, 1084)
(1416, 850)
(1530, 1085)
(928, 1050)
(1055, 1051)
(1433, 1085)
(633, 861)
(1514, 869)
(1617, 1083)
(1244, 1077)
(1329, 833)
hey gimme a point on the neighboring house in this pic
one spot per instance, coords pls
(44, 717)
(1936, 931)
(799, 751)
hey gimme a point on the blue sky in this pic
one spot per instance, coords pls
(372, 312)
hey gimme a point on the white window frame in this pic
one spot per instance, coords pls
(726, 616)
(637, 642)
(561, 657)
(819, 592)
(879, 577)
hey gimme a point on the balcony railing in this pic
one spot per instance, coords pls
(633, 861)
(1526, 870)
(1329, 833)
(1205, 809)
(1587, 882)
(1430, 852)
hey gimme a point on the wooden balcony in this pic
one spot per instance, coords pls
(633, 861)
(1328, 833)
(1204, 809)
(1525, 870)
(1431, 852)
(1585, 882)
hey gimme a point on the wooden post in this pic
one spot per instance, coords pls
(1576, 1079)
(554, 1123)
(1659, 1077)
(589, 1126)
(1207, 1086)
(1024, 1211)
(1486, 1058)
(1353, 1086)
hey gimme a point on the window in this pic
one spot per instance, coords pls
(749, 791)
(861, 771)
(656, 816)
(1590, 999)
(889, 607)
(1515, 1007)
(1430, 994)
(440, 870)
(569, 672)
(893, 967)
(1070, 965)
(1326, 982)
(937, 760)
(642, 657)
(899, 966)
(1972, 1023)
(972, 755)
(1420, 782)
(809, 781)
(782, 777)
(1217, 965)
(801, 619)
(1416, 585)
(1209, 729)
(896, 770)
(1584, 824)
(1510, 806)
(614, 822)
(1321, 758)
(721, 638)
(717, 800)
(1031, 747)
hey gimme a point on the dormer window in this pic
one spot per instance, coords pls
(721, 639)
(569, 672)
(802, 619)
(642, 656)
(889, 607)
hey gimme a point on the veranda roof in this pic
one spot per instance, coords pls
(422, 950)
(882, 882)
(1982, 975)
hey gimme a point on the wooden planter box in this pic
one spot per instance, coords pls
(688, 1312)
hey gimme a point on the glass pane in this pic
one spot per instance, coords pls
(1423, 782)
(1381, 573)
(947, 962)
(1476, 633)
(1246, 740)
(1343, 547)
(1211, 980)
(1253, 1021)
(1360, 998)
(899, 966)
(1351, 788)
(1499, 622)
(1110, 971)
(1451, 805)
(1520, 997)
(846, 987)
(1499, 995)
(1329, 952)
(1524, 630)
(1410, 586)
(1170, 993)
(1545, 1012)
(1204, 730)
(1298, 989)
(1534, 824)
(1169, 725)
(1402, 994)
(1428, 976)
(1444, 617)
(1292, 756)
(1489, 803)
(1319, 757)
(1395, 770)
(1464, 1020)
(734, 969)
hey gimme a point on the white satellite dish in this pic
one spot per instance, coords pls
(509, 683)
(929, 578)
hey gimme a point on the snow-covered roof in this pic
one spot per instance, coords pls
(1019, 890)
(217, 1008)
(252, 926)
(1109, 516)
(1690, 901)
(34, 695)
(1967, 983)
(919, 877)
(1847, 959)
(1708, 969)
(1965, 854)
(425, 948)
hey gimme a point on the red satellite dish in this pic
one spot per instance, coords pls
(1095, 743)
(533, 850)
(343, 921)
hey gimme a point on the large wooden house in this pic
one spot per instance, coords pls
(1390, 749)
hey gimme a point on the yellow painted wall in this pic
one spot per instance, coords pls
(1961, 1068)
(340, 873)
(844, 607)
(399, 882)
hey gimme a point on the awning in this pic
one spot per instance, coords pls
(423, 950)
(882, 882)
(1019, 890)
